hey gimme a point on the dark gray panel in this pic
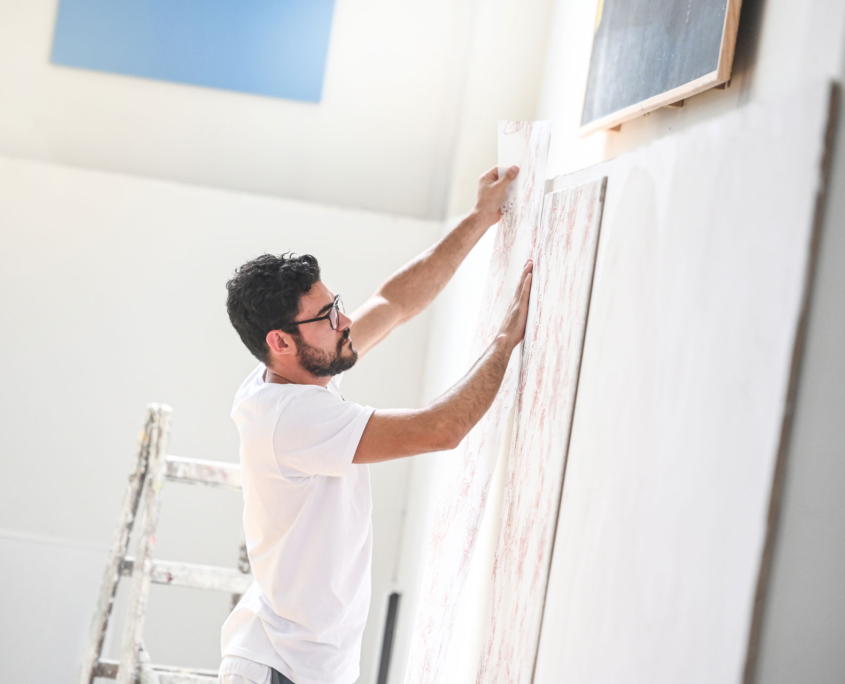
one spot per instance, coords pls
(389, 634)
(646, 47)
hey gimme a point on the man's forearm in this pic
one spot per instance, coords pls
(413, 287)
(396, 433)
(457, 411)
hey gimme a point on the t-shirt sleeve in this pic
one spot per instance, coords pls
(317, 432)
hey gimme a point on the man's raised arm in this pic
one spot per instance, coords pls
(396, 433)
(413, 287)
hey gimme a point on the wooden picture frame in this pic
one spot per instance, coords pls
(647, 55)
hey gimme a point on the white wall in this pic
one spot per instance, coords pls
(503, 81)
(42, 631)
(112, 293)
(382, 137)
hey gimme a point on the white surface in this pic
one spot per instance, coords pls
(404, 80)
(461, 509)
(447, 360)
(698, 288)
(85, 258)
(46, 603)
(417, 80)
(503, 83)
(564, 262)
(392, 92)
(781, 44)
(804, 621)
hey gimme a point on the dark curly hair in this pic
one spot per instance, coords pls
(264, 295)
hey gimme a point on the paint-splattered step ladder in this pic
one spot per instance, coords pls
(152, 468)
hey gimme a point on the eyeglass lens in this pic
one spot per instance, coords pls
(334, 317)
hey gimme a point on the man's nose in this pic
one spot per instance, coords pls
(343, 322)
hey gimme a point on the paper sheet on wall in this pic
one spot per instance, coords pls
(551, 359)
(460, 511)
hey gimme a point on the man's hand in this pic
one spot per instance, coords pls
(491, 194)
(513, 327)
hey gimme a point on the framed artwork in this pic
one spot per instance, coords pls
(649, 54)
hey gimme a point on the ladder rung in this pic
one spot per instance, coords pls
(107, 669)
(195, 576)
(200, 471)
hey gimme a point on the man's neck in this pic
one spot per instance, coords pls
(295, 378)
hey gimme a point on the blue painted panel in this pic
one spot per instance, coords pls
(268, 47)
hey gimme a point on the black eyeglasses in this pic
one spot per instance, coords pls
(332, 315)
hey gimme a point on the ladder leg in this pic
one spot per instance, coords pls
(119, 545)
(243, 566)
(131, 642)
(146, 674)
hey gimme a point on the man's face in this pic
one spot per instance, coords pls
(322, 351)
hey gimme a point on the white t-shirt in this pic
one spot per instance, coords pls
(308, 528)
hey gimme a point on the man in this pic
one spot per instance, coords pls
(304, 450)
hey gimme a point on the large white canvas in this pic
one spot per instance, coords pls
(461, 508)
(551, 357)
(697, 301)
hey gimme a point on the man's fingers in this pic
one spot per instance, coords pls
(526, 287)
(509, 175)
(523, 289)
(491, 175)
(520, 286)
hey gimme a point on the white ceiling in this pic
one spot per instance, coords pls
(383, 137)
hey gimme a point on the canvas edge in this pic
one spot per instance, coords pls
(772, 520)
(599, 220)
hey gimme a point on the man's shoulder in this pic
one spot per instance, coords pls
(256, 399)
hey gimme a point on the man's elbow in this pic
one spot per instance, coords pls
(447, 436)
(452, 443)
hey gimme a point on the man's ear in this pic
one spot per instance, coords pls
(281, 342)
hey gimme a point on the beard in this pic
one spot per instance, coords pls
(322, 364)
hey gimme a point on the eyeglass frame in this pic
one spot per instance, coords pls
(337, 307)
